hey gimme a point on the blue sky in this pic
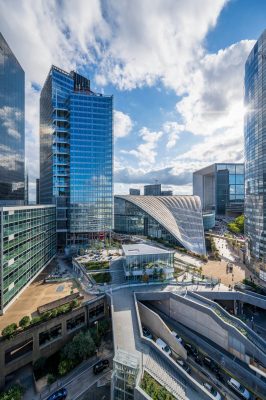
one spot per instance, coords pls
(175, 69)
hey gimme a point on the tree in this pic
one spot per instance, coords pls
(65, 366)
(39, 365)
(13, 393)
(237, 226)
(80, 348)
(24, 322)
(103, 326)
(9, 330)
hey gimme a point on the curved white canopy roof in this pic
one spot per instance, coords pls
(181, 216)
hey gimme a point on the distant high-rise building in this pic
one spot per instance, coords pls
(152, 190)
(255, 150)
(134, 192)
(37, 191)
(220, 188)
(12, 128)
(76, 157)
(166, 193)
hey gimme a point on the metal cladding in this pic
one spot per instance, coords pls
(181, 216)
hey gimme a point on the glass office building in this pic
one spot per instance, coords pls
(255, 150)
(12, 128)
(221, 188)
(28, 244)
(175, 219)
(76, 157)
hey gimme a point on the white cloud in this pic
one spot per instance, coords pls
(146, 152)
(122, 124)
(10, 118)
(159, 41)
(133, 44)
(214, 97)
(173, 129)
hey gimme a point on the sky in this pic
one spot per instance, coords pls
(174, 67)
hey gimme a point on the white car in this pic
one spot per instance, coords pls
(178, 338)
(163, 346)
(212, 391)
(237, 387)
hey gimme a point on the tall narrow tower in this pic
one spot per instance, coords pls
(255, 152)
(76, 157)
(12, 128)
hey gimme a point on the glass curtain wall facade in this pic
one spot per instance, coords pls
(221, 188)
(229, 188)
(175, 219)
(28, 244)
(76, 152)
(12, 128)
(255, 150)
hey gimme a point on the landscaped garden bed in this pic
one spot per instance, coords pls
(154, 389)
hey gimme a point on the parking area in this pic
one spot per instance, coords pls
(202, 367)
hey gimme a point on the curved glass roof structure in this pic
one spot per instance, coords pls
(181, 216)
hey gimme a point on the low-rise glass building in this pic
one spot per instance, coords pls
(28, 244)
(141, 259)
(175, 219)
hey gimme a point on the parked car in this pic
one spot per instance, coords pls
(184, 366)
(146, 333)
(198, 360)
(163, 346)
(60, 394)
(191, 349)
(210, 364)
(212, 390)
(178, 338)
(238, 388)
(100, 366)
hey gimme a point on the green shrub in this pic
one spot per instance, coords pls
(24, 322)
(50, 379)
(14, 393)
(35, 320)
(103, 277)
(9, 330)
(65, 366)
(154, 389)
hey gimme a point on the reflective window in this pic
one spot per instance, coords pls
(12, 127)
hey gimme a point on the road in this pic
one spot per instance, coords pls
(79, 384)
(202, 371)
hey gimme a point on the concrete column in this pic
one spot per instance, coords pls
(2, 369)
(36, 346)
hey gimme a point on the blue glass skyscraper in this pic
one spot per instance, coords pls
(255, 151)
(12, 128)
(76, 157)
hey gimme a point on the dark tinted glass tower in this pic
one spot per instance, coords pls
(255, 150)
(76, 157)
(12, 128)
